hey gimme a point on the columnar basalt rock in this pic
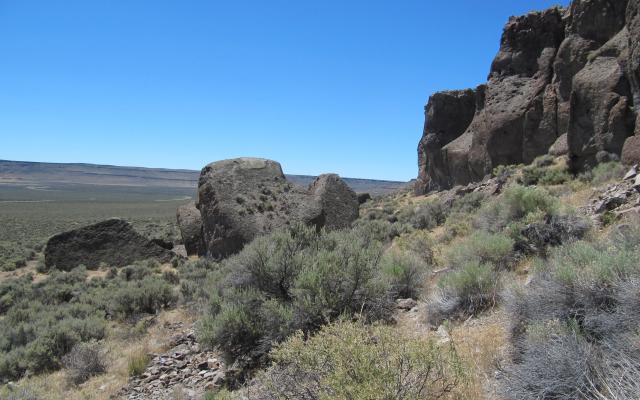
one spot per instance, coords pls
(564, 81)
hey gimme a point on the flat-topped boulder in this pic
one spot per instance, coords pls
(242, 198)
(113, 242)
(190, 225)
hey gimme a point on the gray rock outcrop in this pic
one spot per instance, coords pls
(242, 198)
(190, 225)
(565, 81)
(338, 201)
(113, 242)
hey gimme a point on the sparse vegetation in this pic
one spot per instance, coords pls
(43, 321)
(580, 309)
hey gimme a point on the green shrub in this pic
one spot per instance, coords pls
(375, 230)
(148, 295)
(516, 204)
(289, 280)
(482, 248)
(418, 243)
(406, 273)
(354, 361)
(43, 321)
(543, 171)
(604, 172)
(472, 289)
(425, 215)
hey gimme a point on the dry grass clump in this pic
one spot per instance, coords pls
(84, 361)
(138, 360)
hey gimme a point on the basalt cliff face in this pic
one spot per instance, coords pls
(565, 81)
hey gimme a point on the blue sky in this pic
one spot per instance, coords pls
(321, 86)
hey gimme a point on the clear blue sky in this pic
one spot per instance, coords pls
(321, 86)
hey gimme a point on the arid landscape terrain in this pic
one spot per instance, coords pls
(507, 270)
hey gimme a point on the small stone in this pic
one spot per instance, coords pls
(213, 363)
(632, 173)
(203, 365)
(406, 304)
(443, 335)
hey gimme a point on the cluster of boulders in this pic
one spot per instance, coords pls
(242, 198)
(185, 371)
(564, 82)
(113, 242)
(620, 199)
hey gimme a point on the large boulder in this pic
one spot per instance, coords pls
(190, 225)
(242, 198)
(113, 242)
(340, 205)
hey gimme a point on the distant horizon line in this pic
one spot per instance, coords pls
(177, 169)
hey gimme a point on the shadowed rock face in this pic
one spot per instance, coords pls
(190, 225)
(339, 203)
(559, 74)
(113, 242)
(447, 115)
(242, 198)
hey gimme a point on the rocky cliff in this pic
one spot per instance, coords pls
(564, 80)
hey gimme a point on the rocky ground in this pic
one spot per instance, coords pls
(183, 372)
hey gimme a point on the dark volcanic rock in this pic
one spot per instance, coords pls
(563, 81)
(242, 198)
(340, 206)
(363, 197)
(447, 116)
(633, 26)
(113, 242)
(601, 118)
(190, 225)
